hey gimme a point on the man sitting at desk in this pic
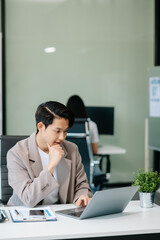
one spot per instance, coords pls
(45, 168)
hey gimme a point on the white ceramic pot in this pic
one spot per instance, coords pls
(146, 199)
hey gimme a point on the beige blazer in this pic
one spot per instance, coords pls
(31, 183)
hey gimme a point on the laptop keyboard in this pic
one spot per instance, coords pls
(75, 211)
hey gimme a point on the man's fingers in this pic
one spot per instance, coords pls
(82, 201)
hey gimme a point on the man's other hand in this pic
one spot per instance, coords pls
(83, 200)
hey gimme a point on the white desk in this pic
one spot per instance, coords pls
(106, 151)
(132, 222)
(110, 150)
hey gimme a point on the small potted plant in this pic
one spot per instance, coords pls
(148, 183)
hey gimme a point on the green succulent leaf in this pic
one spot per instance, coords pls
(148, 181)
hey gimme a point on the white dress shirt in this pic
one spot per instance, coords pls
(52, 197)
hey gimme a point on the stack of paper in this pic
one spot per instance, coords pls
(23, 215)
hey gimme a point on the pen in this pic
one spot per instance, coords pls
(17, 213)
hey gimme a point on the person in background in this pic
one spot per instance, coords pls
(77, 106)
(45, 168)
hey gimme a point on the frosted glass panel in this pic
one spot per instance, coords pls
(102, 50)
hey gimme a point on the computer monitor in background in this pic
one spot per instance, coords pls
(103, 117)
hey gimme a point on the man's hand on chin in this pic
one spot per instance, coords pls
(83, 200)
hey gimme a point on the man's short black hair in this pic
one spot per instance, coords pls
(48, 111)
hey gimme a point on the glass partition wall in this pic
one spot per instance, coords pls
(98, 49)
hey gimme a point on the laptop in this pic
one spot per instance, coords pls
(103, 202)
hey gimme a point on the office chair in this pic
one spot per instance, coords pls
(80, 135)
(6, 142)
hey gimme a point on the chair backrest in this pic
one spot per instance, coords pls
(81, 125)
(79, 134)
(6, 142)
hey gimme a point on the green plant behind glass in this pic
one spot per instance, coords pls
(148, 181)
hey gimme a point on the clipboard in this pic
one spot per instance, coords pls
(22, 215)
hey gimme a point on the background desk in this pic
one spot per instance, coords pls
(106, 151)
(133, 223)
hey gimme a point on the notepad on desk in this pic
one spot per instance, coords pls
(32, 214)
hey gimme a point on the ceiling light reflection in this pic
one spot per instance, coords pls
(50, 50)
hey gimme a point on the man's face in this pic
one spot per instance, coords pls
(55, 133)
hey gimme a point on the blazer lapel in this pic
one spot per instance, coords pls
(63, 174)
(34, 157)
